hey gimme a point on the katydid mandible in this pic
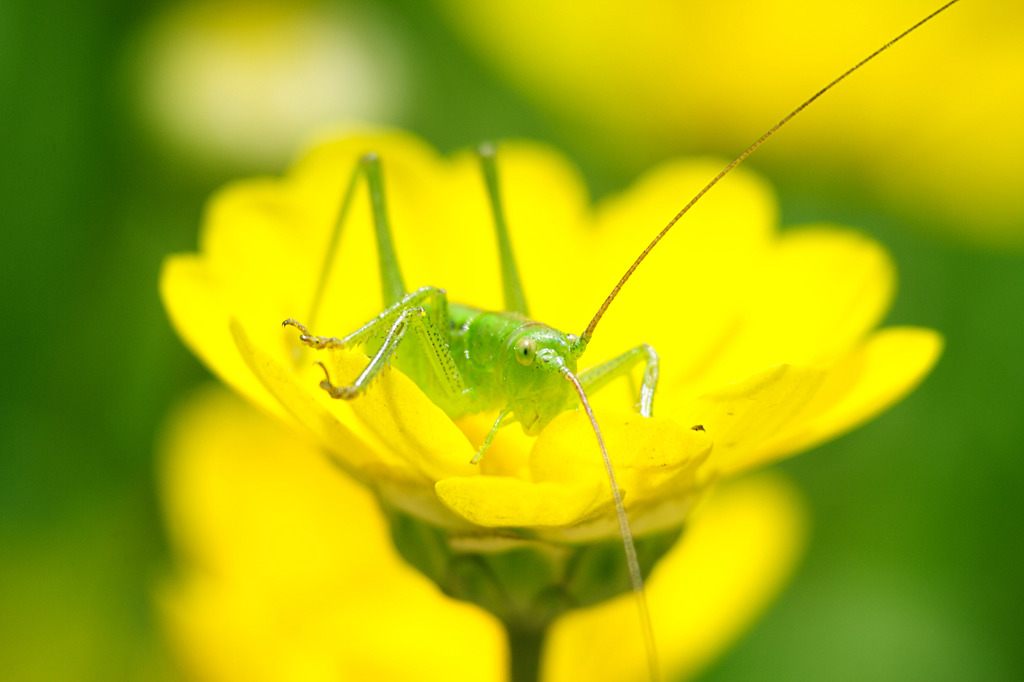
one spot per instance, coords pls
(469, 361)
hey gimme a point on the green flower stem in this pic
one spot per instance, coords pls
(525, 647)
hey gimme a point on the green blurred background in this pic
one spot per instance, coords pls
(109, 150)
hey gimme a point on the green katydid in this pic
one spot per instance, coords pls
(470, 361)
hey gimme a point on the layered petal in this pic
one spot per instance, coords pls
(786, 409)
(767, 346)
(286, 570)
(686, 296)
(731, 562)
(814, 293)
(761, 337)
(739, 416)
(199, 309)
(879, 373)
(566, 495)
(398, 452)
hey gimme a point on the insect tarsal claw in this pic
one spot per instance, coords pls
(290, 322)
(336, 392)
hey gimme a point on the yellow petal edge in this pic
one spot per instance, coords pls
(733, 559)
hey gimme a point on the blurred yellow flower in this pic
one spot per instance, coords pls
(934, 130)
(766, 342)
(285, 571)
(240, 83)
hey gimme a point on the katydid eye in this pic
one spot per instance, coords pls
(524, 349)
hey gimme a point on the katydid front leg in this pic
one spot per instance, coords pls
(599, 376)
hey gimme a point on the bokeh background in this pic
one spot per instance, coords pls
(118, 118)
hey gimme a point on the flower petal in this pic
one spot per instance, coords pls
(401, 417)
(194, 300)
(739, 416)
(685, 296)
(730, 563)
(815, 296)
(392, 436)
(539, 189)
(264, 241)
(288, 570)
(889, 365)
(505, 501)
(568, 487)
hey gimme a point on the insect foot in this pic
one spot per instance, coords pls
(337, 392)
(318, 342)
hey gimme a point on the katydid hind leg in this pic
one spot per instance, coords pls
(332, 247)
(515, 299)
(391, 281)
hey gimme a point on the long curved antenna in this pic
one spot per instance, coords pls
(635, 578)
(585, 337)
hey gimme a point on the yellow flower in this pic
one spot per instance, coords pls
(236, 85)
(286, 573)
(933, 129)
(766, 342)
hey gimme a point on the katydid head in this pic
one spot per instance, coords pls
(532, 375)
